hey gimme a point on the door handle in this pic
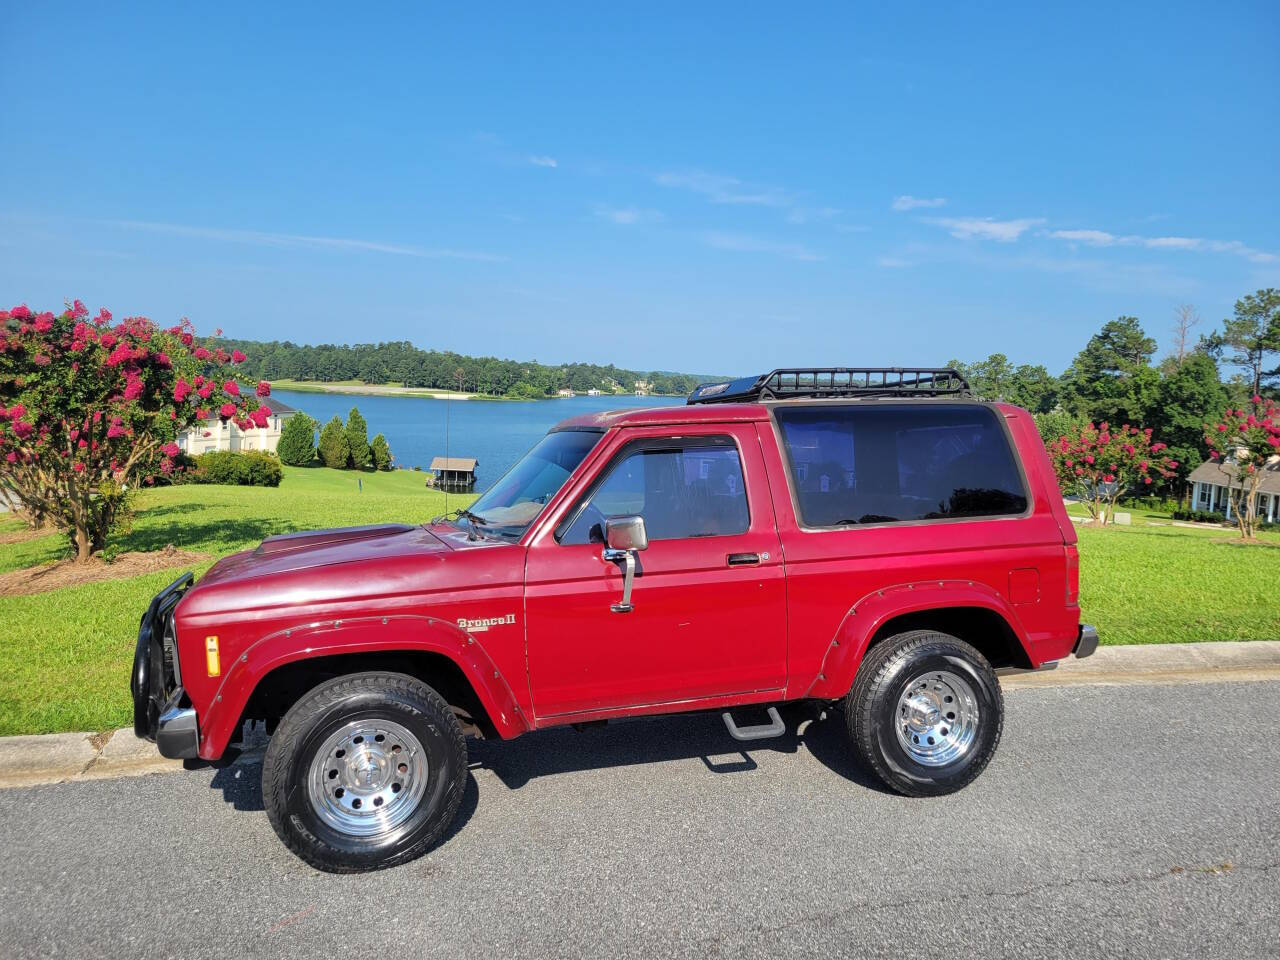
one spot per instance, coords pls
(743, 559)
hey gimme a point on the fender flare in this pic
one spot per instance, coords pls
(864, 619)
(389, 634)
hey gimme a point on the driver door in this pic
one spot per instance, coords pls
(709, 608)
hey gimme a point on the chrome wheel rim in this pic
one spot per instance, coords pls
(367, 778)
(937, 718)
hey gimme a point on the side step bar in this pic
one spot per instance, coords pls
(762, 731)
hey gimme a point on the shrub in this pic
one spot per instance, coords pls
(91, 408)
(297, 445)
(1243, 441)
(1100, 464)
(357, 432)
(334, 449)
(244, 468)
(380, 450)
(1198, 516)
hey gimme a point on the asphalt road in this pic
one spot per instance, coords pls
(1114, 821)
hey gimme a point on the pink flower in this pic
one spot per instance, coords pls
(43, 323)
(264, 388)
(1109, 478)
(200, 353)
(238, 357)
(116, 430)
(1089, 459)
(78, 467)
(1079, 471)
(12, 457)
(206, 389)
(162, 360)
(203, 414)
(22, 428)
(1173, 464)
(22, 311)
(1222, 428)
(83, 444)
(119, 355)
(170, 450)
(186, 338)
(1146, 479)
(181, 390)
(227, 411)
(78, 309)
(133, 389)
(108, 340)
(17, 411)
(260, 416)
(1255, 399)
(232, 388)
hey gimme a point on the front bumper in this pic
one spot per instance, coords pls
(161, 711)
(1086, 642)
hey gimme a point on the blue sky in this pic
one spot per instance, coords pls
(714, 188)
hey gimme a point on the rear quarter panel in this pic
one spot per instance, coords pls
(842, 583)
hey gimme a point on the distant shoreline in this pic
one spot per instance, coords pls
(395, 390)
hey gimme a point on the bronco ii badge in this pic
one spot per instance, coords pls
(484, 623)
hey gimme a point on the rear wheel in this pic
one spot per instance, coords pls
(365, 771)
(925, 712)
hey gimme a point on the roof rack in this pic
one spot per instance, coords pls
(796, 382)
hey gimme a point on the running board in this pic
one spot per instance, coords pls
(761, 731)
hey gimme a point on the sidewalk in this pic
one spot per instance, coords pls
(71, 757)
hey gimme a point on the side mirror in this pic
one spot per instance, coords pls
(623, 536)
(626, 533)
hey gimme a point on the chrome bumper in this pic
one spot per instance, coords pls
(178, 734)
(1086, 642)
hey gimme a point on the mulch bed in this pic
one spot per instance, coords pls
(68, 573)
(23, 535)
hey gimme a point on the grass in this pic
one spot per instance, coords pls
(65, 655)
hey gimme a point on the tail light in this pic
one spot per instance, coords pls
(1073, 575)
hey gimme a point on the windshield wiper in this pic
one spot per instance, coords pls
(462, 513)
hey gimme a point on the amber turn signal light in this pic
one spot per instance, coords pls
(212, 663)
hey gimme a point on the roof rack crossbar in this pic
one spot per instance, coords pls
(788, 383)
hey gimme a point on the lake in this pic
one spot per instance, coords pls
(495, 432)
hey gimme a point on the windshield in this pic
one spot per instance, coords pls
(508, 507)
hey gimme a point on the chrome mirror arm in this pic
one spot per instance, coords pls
(628, 560)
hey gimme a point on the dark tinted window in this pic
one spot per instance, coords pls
(685, 490)
(886, 463)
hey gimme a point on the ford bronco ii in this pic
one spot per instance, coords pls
(873, 539)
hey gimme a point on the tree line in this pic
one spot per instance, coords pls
(402, 362)
(1117, 378)
(343, 446)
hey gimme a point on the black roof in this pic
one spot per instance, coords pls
(795, 382)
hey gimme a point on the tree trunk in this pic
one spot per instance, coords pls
(82, 544)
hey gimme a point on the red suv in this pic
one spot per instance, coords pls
(873, 538)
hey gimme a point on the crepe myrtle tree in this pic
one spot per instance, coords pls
(1100, 464)
(1243, 442)
(90, 409)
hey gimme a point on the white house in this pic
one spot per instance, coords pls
(1209, 483)
(215, 435)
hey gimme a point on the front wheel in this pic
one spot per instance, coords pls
(365, 771)
(925, 713)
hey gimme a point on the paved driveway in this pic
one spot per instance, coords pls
(1122, 821)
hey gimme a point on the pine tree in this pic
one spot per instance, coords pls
(334, 451)
(297, 445)
(381, 453)
(357, 433)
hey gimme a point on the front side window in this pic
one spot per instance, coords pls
(508, 507)
(887, 463)
(682, 489)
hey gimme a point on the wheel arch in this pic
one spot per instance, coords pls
(965, 609)
(274, 672)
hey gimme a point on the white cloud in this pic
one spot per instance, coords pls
(539, 160)
(1003, 231)
(721, 189)
(263, 239)
(745, 243)
(909, 202)
(627, 216)
(1101, 238)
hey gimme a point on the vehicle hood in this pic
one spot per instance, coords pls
(322, 548)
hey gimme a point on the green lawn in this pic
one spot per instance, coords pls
(65, 655)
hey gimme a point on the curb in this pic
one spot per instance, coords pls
(73, 757)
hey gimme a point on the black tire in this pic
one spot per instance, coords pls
(325, 712)
(874, 712)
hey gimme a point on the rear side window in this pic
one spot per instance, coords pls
(683, 489)
(892, 464)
